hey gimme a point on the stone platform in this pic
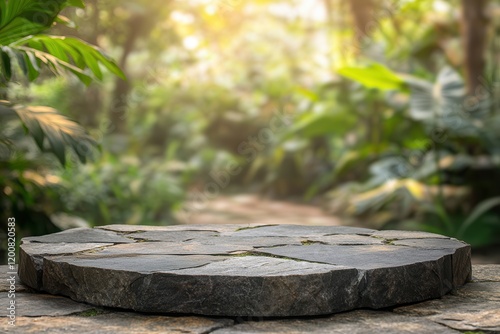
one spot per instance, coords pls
(256, 271)
(472, 308)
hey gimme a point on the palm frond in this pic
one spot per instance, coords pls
(60, 54)
(21, 18)
(52, 130)
(22, 23)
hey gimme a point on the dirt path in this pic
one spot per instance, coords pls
(250, 209)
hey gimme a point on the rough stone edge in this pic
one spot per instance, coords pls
(31, 266)
(30, 269)
(135, 295)
(462, 266)
(478, 273)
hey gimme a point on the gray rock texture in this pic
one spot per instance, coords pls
(356, 322)
(116, 322)
(474, 307)
(36, 305)
(258, 271)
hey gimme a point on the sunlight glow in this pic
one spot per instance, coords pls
(181, 17)
(191, 42)
(306, 9)
(441, 6)
(211, 9)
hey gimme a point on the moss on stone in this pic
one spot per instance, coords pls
(91, 313)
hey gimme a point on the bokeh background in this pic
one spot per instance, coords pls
(380, 114)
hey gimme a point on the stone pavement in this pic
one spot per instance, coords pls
(474, 307)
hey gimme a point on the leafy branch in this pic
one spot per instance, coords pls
(22, 42)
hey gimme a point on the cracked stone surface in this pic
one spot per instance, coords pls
(242, 270)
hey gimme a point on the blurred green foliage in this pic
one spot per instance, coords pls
(123, 190)
(28, 185)
(374, 123)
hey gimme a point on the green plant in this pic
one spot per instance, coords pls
(479, 228)
(300, 156)
(91, 313)
(26, 184)
(374, 75)
(447, 166)
(23, 23)
(122, 190)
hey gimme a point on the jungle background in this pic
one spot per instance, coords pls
(385, 114)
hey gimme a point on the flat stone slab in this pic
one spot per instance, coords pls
(113, 323)
(356, 322)
(474, 307)
(36, 305)
(256, 271)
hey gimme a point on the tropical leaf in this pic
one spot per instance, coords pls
(75, 3)
(374, 76)
(21, 18)
(315, 125)
(6, 65)
(22, 23)
(6, 148)
(422, 105)
(442, 104)
(51, 129)
(443, 99)
(478, 211)
(60, 54)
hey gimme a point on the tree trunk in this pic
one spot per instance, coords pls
(94, 21)
(329, 12)
(364, 18)
(93, 95)
(474, 34)
(122, 87)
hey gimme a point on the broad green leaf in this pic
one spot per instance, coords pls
(32, 66)
(6, 66)
(75, 3)
(431, 100)
(313, 125)
(478, 211)
(22, 61)
(374, 76)
(346, 161)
